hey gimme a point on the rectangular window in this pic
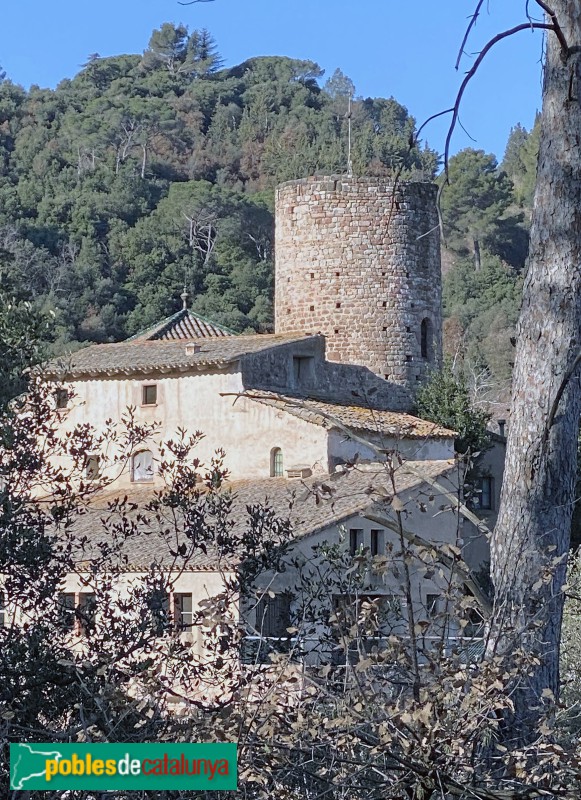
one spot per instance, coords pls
(273, 616)
(66, 610)
(61, 397)
(149, 395)
(483, 495)
(355, 540)
(303, 370)
(86, 612)
(377, 544)
(183, 611)
(92, 467)
(158, 606)
(142, 466)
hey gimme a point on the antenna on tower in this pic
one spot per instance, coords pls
(349, 162)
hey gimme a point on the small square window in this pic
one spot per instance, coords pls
(61, 397)
(337, 305)
(149, 396)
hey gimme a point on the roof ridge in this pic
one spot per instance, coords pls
(158, 330)
(155, 327)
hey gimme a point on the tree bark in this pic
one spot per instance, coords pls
(477, 256)
(534, 520)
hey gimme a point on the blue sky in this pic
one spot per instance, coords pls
(388, 48)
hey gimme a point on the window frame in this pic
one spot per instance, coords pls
(181, 615)
(482, 500)
(61, 399)
(145, 389)
(270, 620)
(66, 610)
(276, 463)
(356, 537)
(377, 541)
(149, 478)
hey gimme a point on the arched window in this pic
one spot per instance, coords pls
(426, 338)
(142, 466)
(276, 463)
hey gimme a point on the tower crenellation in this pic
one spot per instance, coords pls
(358, 259)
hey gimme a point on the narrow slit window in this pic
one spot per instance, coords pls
(426, 338)
(377, 545)
(276, 463)
(355, 540)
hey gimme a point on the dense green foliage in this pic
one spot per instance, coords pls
(475, 206)
(481, 310)
(485, 213)
(445, 399)
(144, 172)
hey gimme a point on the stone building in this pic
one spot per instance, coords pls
(323, 401)
(358, 260)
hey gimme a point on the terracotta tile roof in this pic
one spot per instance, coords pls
(183, 325)
(139, 356)
(354, 417)
(341, 496)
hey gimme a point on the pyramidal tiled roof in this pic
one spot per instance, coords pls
(183, 326)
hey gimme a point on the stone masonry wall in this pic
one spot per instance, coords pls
(359, 262)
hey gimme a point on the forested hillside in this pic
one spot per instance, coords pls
(145, 172)
(486, 211)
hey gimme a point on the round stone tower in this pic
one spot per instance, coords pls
(358, 260)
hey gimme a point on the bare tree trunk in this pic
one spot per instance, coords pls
(477, 256)
(532, 532)
(144, 159)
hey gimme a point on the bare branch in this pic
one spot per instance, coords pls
(555, 23)
(525, 26)
(472, 23)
